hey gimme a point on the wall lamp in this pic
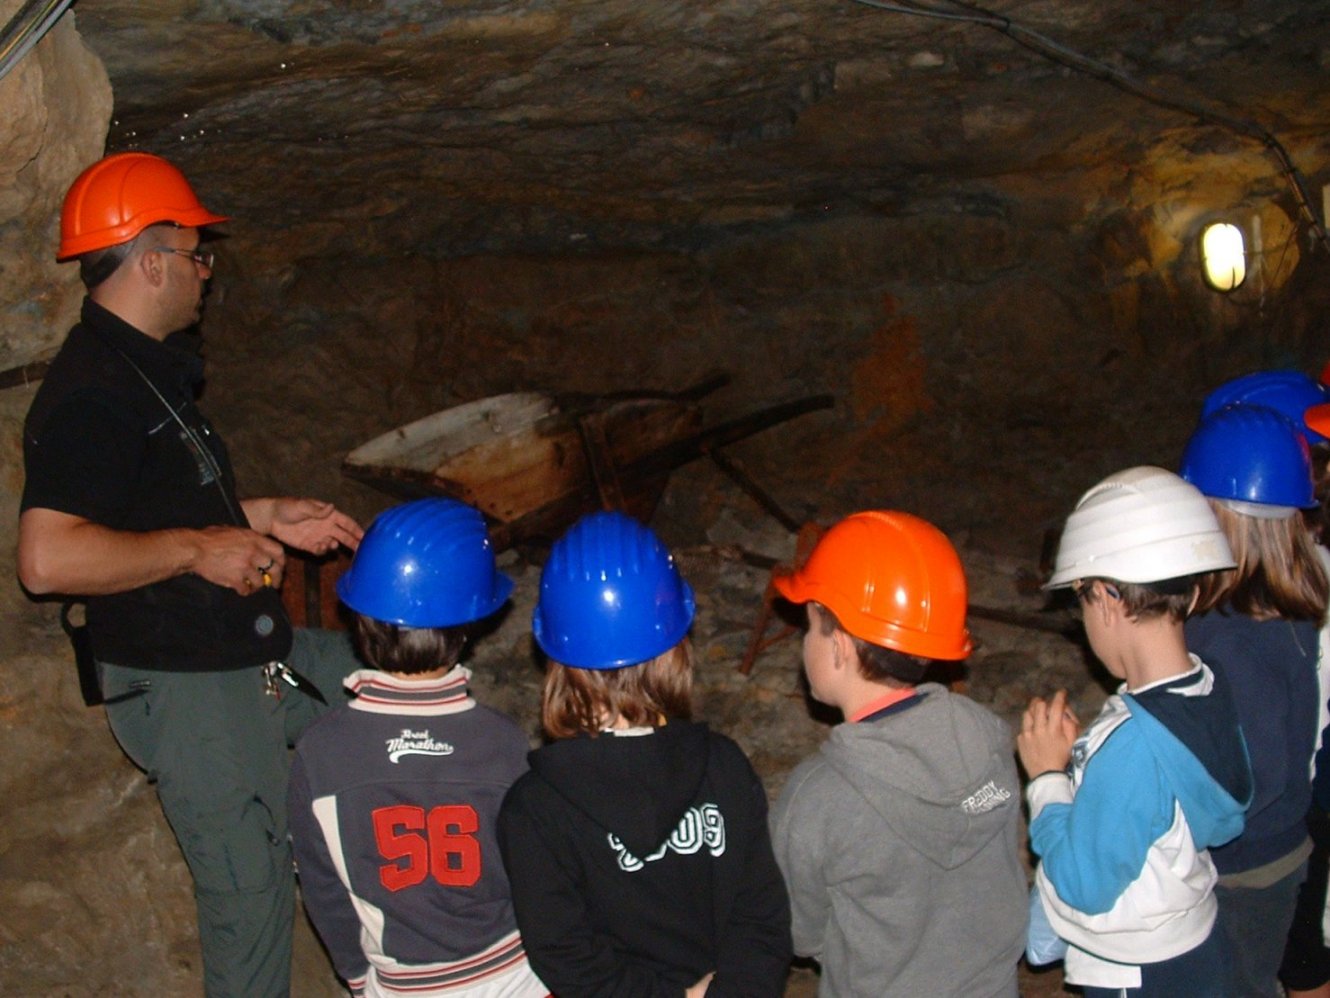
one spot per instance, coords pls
(1223, 255)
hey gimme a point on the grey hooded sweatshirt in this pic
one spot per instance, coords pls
(899, 845)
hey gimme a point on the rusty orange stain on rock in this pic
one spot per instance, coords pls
(887, 384)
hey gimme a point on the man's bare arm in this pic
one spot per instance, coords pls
(62, 553)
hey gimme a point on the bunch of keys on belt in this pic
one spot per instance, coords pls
(274, 671)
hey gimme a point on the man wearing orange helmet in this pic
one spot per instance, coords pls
(898, 840)
(130, 502)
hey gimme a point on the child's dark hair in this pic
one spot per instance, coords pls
(407, 650)
(1170, 598)
(585, 701)
(876, 663)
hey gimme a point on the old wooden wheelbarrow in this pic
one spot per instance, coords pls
(533, 462)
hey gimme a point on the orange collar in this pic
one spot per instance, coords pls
(882, 703)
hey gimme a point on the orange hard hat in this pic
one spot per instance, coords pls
(118, 197)
(1317, 419)
(891, 579)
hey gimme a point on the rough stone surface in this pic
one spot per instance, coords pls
(986, 258)
(55, 104)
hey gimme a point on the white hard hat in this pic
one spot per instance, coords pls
(1143, 524)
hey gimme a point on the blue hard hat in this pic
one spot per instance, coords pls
(1289, 392)
(610, 596)
(1250, 455)
(427, 563)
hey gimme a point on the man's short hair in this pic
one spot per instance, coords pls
(96, 266)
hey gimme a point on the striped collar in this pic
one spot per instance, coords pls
(381, 693)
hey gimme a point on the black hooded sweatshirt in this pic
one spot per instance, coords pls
(640, 863)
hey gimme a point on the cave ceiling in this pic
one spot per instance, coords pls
(602, 125)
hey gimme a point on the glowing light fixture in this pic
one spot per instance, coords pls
(1223, 256)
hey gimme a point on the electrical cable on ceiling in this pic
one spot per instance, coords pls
(1050, 49)
(26, 28)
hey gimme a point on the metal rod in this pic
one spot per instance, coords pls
(26, 28)
(754, 491)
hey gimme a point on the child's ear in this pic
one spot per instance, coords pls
(1110, 606)
(845, 653)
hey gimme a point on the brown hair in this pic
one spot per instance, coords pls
(877, 663)
(1278, 574)
(407, 650)
(1170, 598)
(577, 701)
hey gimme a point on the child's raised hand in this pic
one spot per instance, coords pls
(1048, 730)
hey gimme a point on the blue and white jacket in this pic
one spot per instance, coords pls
(1125, 876)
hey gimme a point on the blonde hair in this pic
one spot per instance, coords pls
(1278, 574)
(577, 701)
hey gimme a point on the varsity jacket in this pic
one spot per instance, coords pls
(641, 862)
(899, 840)
(1159, 777)
(393, 799)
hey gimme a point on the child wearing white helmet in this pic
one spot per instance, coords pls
(394, 796)
(1122, 814)
(1257, 625)
(637, 844)
(900, 837)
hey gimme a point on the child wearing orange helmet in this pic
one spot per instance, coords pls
(899, 838)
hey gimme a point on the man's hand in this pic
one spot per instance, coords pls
(307, 524)
(238, 559)
(1048, 731)
(699, 989)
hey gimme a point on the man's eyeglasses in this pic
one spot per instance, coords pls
(203, 258)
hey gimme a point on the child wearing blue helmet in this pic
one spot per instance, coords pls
(637, 844)
(1305, 971)
(394, 796)
(1257, 625)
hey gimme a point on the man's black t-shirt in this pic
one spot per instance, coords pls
(114, 436)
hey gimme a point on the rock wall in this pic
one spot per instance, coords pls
(92, 881)
(56, 105)
(993, 348)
